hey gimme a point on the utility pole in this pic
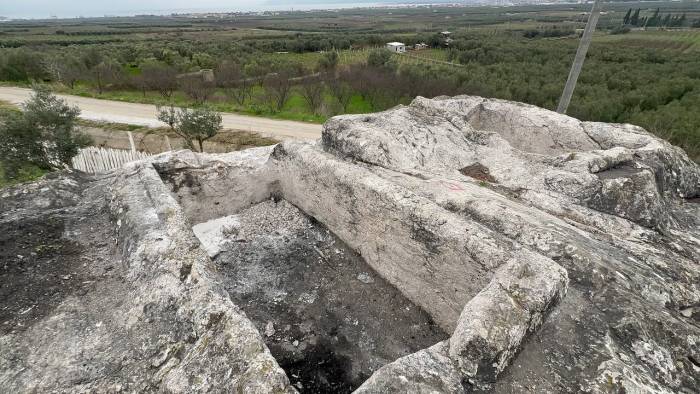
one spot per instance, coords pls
(580, 57)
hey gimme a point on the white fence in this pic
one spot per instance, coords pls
(94, 160)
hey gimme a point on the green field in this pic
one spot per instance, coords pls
(684, 41)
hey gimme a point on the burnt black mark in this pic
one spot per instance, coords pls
(420, 233)
(305, 287)
(38, 269)
(185, 271)
(319, 369)
(694, 361)
(179, 179)
(478, 171)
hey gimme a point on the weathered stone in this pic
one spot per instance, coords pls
(149, 314)
(491, 330)
(525, 147)
(438, 259)
(477, 210)
(425, 372)
(495, 323)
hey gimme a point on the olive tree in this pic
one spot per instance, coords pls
(328, 62)
(199, 124)
(312, 89)
(381, 58)
(43, 134)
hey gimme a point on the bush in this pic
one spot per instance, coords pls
(198, 124)
(42, 136)
(379, 58)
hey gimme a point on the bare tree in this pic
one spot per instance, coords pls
(73, 71)
(229, 77)
(380, 86)
(341, 90)
(105, 73)
(356, 77)
(312, 89)
(52, 66)
(160, 77)
(139, 82)
(277, 89)
(197, 88)
(257, 72)
(67, 69)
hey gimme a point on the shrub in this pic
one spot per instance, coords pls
(43, 135)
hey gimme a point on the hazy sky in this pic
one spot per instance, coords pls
(72, 8)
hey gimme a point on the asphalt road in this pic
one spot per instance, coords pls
(145, 114)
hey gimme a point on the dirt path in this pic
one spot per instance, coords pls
(145, 114)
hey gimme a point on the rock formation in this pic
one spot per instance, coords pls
(553, 255)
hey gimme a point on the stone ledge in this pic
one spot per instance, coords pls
(492, 328)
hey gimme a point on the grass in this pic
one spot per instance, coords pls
(243, 139)
(26, 174)
(116, 126)
(294, 109)
(7, 108)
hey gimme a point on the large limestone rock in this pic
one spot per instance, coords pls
(617, 169)
(121, 298)
(559, 256)
(613, 205)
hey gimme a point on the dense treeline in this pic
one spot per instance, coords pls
(655, 20)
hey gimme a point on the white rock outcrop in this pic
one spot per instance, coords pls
(559, 255)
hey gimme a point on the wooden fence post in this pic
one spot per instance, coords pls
(131, 141)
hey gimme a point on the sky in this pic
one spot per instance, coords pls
(75, 8)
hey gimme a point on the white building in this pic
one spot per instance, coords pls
(398, 47)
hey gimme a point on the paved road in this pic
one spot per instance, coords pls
(145, 114)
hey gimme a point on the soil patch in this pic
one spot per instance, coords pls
(38, 270)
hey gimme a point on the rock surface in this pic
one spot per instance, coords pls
(613, 205)
(122, 299)
(559, 255)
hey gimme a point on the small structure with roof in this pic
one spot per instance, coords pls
(398, 47)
